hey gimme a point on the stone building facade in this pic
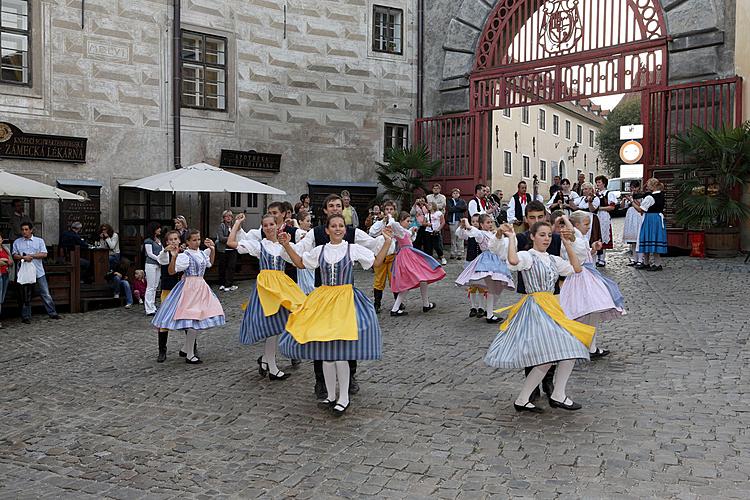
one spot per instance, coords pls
(302, 79)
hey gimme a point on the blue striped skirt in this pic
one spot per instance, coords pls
(164, 317)
(368, 346)
(533, 338)
(487, 271)
(256, 326)
(653, 235)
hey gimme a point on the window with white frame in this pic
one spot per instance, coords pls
(204, 71)
(567, 129)
(506, 112)
(387, 29)
(395, 136)
(507, 163)
(15, 42)
(542, 170)
(555, 125)
(542, 120)
(236, 200)
(526, 166)
(525, 115)
(579, 134)
(591, 138)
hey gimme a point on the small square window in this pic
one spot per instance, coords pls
(387, 29)
(555, 125)
(395, 136)
(507, 163)
(525, 115)
(542, 120)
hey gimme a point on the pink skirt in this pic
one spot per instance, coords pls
(411, 267)
(585, 298)
(197, 301)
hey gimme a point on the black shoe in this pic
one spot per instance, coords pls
(162, 356)
(402, 307)
(377, 307)
(262, 367)
(526, 407)
(353, 385)
(494, 319)
(428, 308)
(654, 268)
(320, 391)
(599, 353)
(283, 375)
(571, 406)
(473, 312)
(26, 321)
(326, 404)
(182, 354)
(481, 313)
(400, 312)
(193, 361)
(640, 265)
(339, 409)
(150, 314)
(57, 316)
(600, 264)
(631, 263)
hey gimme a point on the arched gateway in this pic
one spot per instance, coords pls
(545, 51)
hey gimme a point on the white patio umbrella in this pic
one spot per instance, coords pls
(202, 178)
(20, 187)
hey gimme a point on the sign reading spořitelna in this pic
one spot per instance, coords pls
(14, 143)
(251, 160)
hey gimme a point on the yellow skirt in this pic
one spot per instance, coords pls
(329, 313)
(551, 305)
(276, 289)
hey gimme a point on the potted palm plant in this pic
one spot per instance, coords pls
(404, 171)
(715, 171)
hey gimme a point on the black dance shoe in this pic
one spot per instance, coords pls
(353, 385)
(654, 268)
(631, 263)
(283, 375)
(326, 404)
(400, 312)
(600, 264)
(162, 356)
(193, 361)
(473, 312)
(494, 319)
(565, 406)
(599, 353)
(320, 391)
(428, 308)
(182, 353)
(339, 409)
(528, 407)
(640, 265)
(481, 313)
(262, 367)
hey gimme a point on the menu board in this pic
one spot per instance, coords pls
(87, 212)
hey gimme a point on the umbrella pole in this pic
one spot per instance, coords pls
(205, 207)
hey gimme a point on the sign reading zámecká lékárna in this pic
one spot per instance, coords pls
(14, 143)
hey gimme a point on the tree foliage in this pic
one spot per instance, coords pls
(404, 171)
(627, 112)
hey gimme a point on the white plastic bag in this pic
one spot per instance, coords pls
(27, 274)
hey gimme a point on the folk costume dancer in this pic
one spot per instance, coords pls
(607, 204)
(633, 221)
(412, 268)
(589, 202)
(652, 239)
(191, 304)
(383, 273)
(477, 294)
(333, 205)
(488, 270)
(537, 333)
(589, 297)
(337, 323)
(274, 295)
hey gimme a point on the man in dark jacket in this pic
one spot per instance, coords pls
(455, 208)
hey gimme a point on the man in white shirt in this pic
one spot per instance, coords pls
(478, 204)
(517, 206)
(437, 197)
(32, 251)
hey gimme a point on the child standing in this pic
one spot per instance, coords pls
(191, 305)
(652, 238)
(476, 293)
(305, 277)
(633, 221)
(488, 270)
(383, 272)
(337, 322)
(168, 282)
(589, 202)
(411, 267)
(274, 296)
(139, 285)
(537, 333)
(434, 233)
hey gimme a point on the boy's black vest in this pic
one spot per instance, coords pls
(472, 249)
(169, 281)
(520, 214)
(321, 238)
(659, 202)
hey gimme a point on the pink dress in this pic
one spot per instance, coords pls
(411, 266)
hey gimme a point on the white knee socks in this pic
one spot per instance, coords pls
(342, 374)
(423, 291)
(190, 343)
(474, 299)
(269, 356)
(329, 374)
(490, 305)
(533, 379)
(398, 302)
(562, 374)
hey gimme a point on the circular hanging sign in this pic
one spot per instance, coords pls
(631, 152)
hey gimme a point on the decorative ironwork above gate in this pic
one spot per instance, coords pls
(539, 51)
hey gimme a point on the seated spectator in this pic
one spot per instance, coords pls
(139, 285)
(110, 240)
(72, 238)
(118, 279)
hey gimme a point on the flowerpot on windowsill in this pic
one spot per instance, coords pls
(722, 242)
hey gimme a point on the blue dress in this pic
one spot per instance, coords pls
(368, 345)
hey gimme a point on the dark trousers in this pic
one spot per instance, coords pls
(227, 265)
(318, 367)
(419, 241)
(433, 244)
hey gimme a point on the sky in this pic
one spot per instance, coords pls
(607, 102)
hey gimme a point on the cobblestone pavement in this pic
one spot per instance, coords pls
(87, 412)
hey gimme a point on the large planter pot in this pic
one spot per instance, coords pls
(722, 242)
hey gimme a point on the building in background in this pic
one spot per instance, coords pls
(326, 85)
(546, 140)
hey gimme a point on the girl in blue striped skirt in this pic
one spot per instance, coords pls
(337, 322)
(274, 295)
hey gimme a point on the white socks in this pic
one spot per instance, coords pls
(333, 371)
(190, 343)
(398, 302)
(490, 305)
(474, 298)
(562, 374)
(423, 291)
(533, 379)
(269, 356)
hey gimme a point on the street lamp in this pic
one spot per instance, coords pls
(573, 154)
